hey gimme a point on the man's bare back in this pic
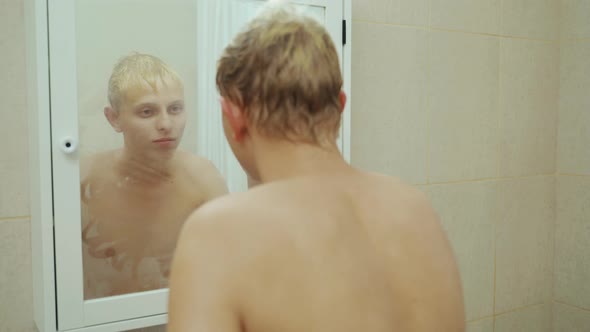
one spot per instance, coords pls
(347, 252)
(132, 215)
(318, 245)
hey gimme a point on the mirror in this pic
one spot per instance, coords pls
(141, 176)
(151, 145)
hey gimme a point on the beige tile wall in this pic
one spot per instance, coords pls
(482, 325)
(572, 229)
(476, 129)
(469, 211)
(574, 19)
(530, 319)
(482, 16)
(14, 157)
(385, 98)
(457, 96)
(524, 242)
(411, 12)
(537, 19)
(572, 241)
(570, 319)
(15, 276)
(463, 106)
(574, 103)
(16, 309)
(529, 88)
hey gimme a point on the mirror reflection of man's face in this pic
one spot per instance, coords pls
(153, 120)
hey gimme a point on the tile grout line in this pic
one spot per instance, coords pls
(418, 27)
(429, 27)
(428, 86)
(572, 40)
(556, 164)
(519, 309)
(493, 316)
(484, 180)
(494, 35)
(16, 218)
(494, 289)
(558, 111)
(572, 306)
(476, 320)
(499, 112)
(573, 175)
(498, 161)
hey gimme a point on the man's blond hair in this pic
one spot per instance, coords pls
(141, 71)
(283, 70)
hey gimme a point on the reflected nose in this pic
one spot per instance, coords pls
(164, 122)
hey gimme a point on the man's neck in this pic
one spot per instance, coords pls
(278, 160)
(144, 169)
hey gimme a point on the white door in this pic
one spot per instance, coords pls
(222, 20)
(86, 38)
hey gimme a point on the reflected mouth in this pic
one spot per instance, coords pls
(163, 140)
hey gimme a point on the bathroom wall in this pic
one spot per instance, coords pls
(460, 98)
(16, 313)
(572, 229)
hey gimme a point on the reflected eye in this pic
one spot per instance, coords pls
(145, 113)
(176, 109)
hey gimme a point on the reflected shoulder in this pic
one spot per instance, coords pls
(203, 173)
(196, 164)
(96, 164)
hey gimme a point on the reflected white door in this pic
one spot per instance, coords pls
(221, 20)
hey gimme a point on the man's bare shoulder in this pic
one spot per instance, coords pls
(231, 211)
(399, 193)
(263, 210)
(243, 217)
(230, 231)
(365, 189)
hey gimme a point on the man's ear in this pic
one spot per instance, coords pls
(236, 118)
(113, 118)
(342, 97)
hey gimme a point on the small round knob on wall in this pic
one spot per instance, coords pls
(69, 145)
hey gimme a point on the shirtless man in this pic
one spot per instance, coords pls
(136, 199)
(318, 245)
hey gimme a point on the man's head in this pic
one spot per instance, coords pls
(280, 79)
(146, 104)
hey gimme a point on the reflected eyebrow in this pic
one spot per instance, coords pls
(176, 102)
(142, 105)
